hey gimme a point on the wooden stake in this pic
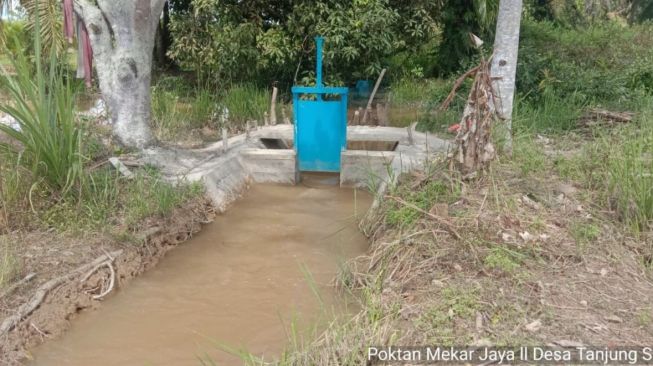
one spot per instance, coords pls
(369, 102)
(273, 106)
(225, 139)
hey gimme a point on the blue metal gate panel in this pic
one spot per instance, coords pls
(320, 134)
(320, 116)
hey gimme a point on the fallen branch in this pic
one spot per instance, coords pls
(16, 285)
(112, 281)
(440, 220)
(595, 115)
(35, 301)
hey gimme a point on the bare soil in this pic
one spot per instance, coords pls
(44, 256)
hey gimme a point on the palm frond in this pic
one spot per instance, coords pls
(51, 23)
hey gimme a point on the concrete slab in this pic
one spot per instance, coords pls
(364, 169)
(226, 173)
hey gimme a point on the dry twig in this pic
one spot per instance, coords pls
(440, 220)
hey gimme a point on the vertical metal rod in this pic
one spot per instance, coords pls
(319, 42)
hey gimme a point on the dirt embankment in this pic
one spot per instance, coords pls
(510, 261)
(64, 275)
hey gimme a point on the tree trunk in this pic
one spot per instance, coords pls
(504, 62)
(122, 37)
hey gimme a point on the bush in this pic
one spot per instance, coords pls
(604, 63)
(232, 43)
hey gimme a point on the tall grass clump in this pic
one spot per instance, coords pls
(109, 200)
(246, 102)
(604, 63)
(41, 100)
(166, 117)
(629, 176)
(8, 263)
(551, 114)
(14, 192)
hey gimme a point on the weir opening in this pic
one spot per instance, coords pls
(240, 283)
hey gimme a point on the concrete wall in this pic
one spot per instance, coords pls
(226, 184)
(361, 168)
(270, 166)
(226, 173)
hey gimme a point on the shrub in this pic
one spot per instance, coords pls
(42, 103)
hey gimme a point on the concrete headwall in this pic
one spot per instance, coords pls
(362, 168)
(226, 169)
(270, 166)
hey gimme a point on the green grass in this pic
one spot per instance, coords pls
(628, 183)
(246, 102)
(15, 188)
(550, 114)
(584, 233)
(440, 322)
(503, 259)
(9, 266)
(433, 192)
(111, 201)
(617, 164)
(529, 155)
(177, 110)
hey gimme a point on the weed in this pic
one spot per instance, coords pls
(644, 317)
(584, 233)
(502, 259)
(528, 155)
(440, 321)
(551, 114)
(8, 264)
(434, 191)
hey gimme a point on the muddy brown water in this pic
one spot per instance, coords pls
(239, 282)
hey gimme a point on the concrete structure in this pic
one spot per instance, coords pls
(375, 156)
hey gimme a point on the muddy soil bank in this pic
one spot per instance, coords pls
(60, 274)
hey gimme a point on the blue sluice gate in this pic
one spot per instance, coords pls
(320, 117)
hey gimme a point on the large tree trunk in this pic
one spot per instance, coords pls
(122, 36)
(504, 61)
